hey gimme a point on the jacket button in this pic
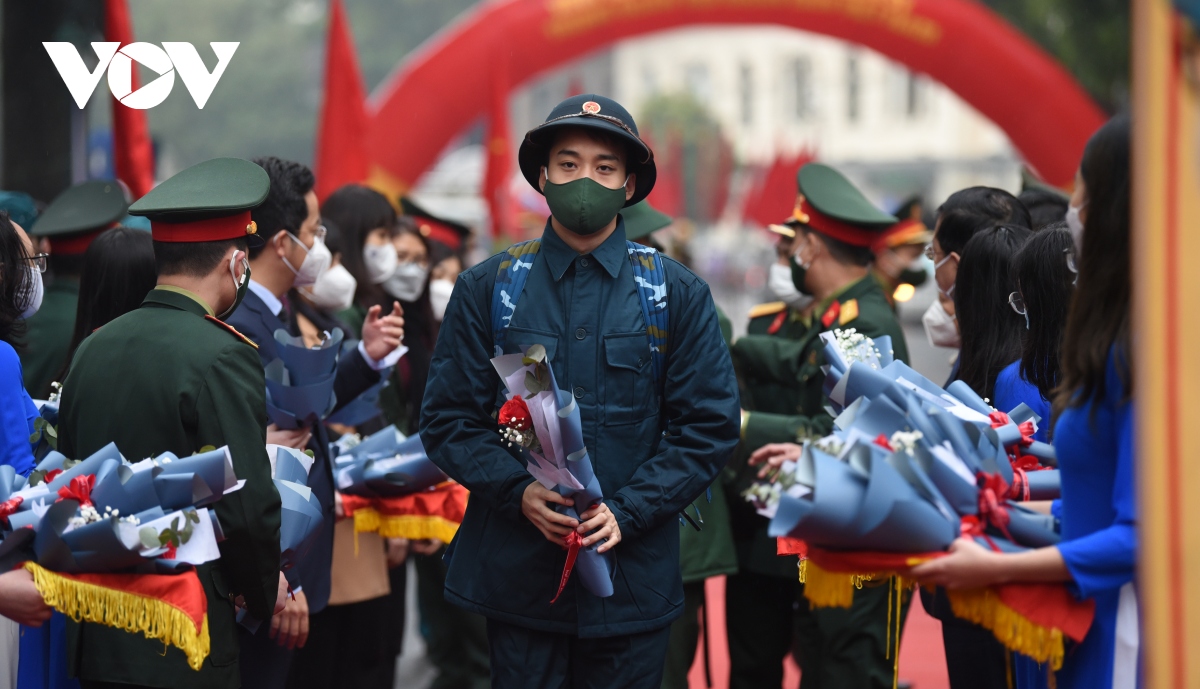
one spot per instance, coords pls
(583, 262)
(641, 361)
(580, 333)
(578, 393)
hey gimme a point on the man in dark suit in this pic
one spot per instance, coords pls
(293, 255)
(170, 376)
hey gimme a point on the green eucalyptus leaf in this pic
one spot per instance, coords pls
(206, 448)
(534, 355)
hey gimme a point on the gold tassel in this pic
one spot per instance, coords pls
(1017, 633)
(155, 619)
(411, 526)
(828, 589)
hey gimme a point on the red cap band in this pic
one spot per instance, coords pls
(841, 231)
(210, 230)
(431, 229)
(76, 244)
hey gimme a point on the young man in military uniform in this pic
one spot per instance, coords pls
(655, 444)
(764, 602)
(70, 222)
(170, 376)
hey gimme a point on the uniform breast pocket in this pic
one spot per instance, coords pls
(628, 379)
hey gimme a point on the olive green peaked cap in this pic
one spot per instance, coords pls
(207, 202)
(85, 207)
(641, 219)
(832, 194)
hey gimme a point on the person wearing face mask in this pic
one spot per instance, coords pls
(656, 440)
(963, 214)
(294, 255)
(447, 245)
(69, 224)
(183, 379)
(766, 615)
(783, 316)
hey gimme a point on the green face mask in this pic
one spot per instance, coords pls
(584, 206)
(241, 289)
(798, 274)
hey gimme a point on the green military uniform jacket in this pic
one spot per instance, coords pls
(49, 336)
(164, 378)
(784, 378)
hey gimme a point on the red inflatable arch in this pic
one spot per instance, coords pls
(444, 86)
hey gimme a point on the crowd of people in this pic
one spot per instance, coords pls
(151, 325)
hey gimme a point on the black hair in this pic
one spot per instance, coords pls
(357, 210)
(68, 265)
(14, 295)
(974, 209)
(1045, 283)
(846, 254)
(284, 207)
(601, 136)
(1098, 322)
(990, 329)
(118, 271)
(1045, 207)
(193, 259)
(334, 240)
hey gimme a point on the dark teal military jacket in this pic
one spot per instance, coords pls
(163, 378)
(585, 311)
(791, 367)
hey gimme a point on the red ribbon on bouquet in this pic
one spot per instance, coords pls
(80, 488)
(10, 506)
(574, 543)
(992, 511)
(999, 418)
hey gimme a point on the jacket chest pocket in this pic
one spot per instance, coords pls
(629, 395)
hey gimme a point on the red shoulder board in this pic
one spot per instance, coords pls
(831, 314)
(231, 329)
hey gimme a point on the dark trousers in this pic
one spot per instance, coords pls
(91, 684)
(263, 663)
(528, 659)
(348, 647)
(456, 640)
(685, 633)
(974, 658)
(767, 616)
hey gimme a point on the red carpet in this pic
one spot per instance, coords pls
(922, 660)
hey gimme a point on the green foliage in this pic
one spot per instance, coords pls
(173, 536)
(688, 142)
(44, 430)
(1090, 37)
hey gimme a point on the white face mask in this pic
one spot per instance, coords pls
(940, 327)
(1076, 226)
(33, 291)
(316, 260)
(779, 282)
(380, 261)
(439, 296)
(407, 281)
(333, 290)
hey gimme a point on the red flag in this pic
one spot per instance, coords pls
(133, 155)
(341, 156)
(499, 150)
(772, 199)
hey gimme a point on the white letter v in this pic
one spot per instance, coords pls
(74, 73)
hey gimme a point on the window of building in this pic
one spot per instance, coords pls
(697, 80)
(746, 93)
(915, 96)
(853, 88)
(801, 77)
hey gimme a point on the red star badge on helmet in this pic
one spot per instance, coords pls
(591, 107)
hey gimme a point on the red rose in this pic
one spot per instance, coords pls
(515, 414)
(80, 488)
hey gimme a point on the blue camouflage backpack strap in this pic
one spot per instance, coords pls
(511, 276)
(651, 281)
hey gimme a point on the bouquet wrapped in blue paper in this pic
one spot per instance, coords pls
(908, 468)
(389, 486)
(115, 543)
(300, 382)
(544, 420)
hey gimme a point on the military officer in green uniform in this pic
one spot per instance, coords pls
(171, 376)
(70, 222)
(897, 249)
(835, 226)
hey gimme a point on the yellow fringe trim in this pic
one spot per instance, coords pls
(411, 526)
(825, 589)
(1012, 629)
(130, 612)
